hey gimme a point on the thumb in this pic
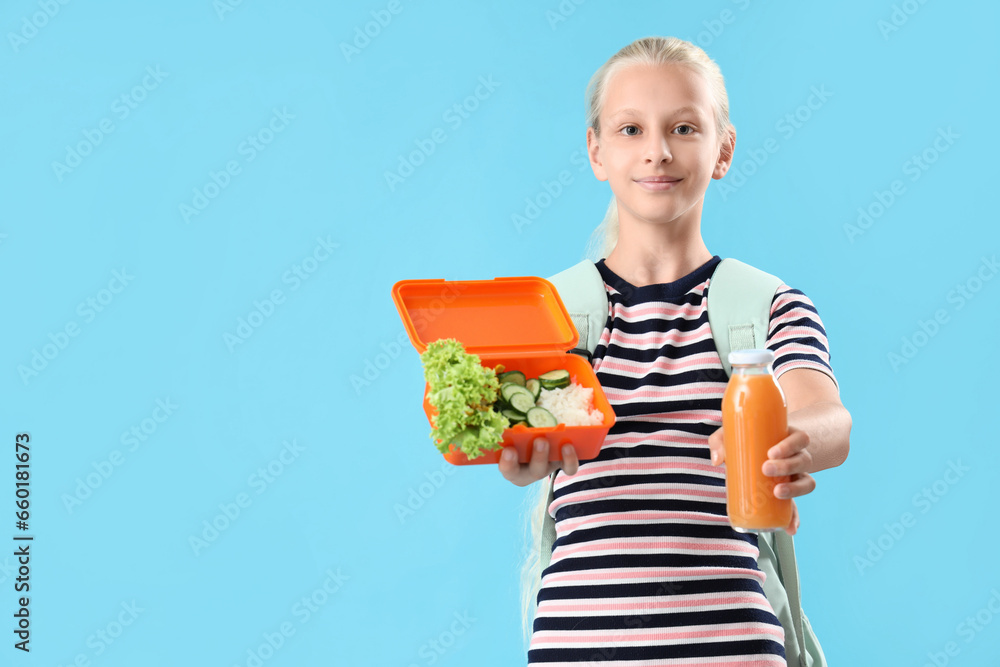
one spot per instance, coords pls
(717, 447)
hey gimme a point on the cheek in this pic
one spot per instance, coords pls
(705, 164)
(618, 167)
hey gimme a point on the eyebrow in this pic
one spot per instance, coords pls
(636, 112)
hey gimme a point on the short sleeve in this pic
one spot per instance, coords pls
(796, 334)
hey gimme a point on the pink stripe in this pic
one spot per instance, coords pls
(549, 636)
(675, 338)
(664, 392)
(656, 394)
(668, 573)
(648, 491)
(631, 517)
(638, 468)
(653, 438)
(633, 605)
(797, 312)
(714, 548)
(661, 309)
(703, 359)
(797, 332)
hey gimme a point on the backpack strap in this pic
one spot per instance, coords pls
(739, 307)
(739, 312)
(581, 289)
(785, 548)
(548, 524)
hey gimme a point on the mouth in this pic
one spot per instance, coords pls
(658, 183)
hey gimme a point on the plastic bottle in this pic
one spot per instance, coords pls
(754, 419)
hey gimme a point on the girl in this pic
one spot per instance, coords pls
(643, 572)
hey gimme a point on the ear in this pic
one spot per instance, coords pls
(727, 150)
(593, 151)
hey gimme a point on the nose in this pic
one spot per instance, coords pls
(658, 148)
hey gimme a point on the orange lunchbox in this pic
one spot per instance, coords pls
(519, 322)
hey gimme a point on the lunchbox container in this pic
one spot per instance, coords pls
(519, 322)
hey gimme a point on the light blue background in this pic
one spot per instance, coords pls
(366, 447)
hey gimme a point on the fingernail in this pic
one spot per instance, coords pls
(566, 451)
(781, 492)
(715, 458)
(508, 455)
(540, 445)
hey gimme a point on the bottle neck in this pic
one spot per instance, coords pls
(751, 369)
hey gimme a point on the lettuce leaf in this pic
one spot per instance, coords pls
(463, 392)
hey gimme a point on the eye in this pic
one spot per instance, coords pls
(683, 134)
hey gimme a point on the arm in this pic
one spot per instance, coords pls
(814, 407)
(819, 430)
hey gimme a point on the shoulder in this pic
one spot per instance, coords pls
(789, 301)
(796, 333)
(582, 267)
(784, 296)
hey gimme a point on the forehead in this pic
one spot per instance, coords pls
(661, 89)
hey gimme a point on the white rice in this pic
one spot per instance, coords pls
(572, 405)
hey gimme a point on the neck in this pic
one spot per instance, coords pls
(650, 254)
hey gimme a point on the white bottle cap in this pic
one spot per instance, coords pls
(747, 357)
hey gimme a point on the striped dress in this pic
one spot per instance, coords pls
(646, 569)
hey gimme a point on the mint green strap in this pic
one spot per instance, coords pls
(548, 525)
(739, 307)
(739, 303)
(784, 548)
(581, 289)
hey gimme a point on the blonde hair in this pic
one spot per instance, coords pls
(645, 51)
(649, 51)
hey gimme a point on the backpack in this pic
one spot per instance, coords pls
(738, 314)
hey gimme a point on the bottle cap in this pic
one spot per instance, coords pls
(749, 357)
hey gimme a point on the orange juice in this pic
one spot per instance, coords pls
(754, 419)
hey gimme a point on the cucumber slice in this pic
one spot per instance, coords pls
(517, 377)
(554, 379)
(513, 416)
(522, 401)
(535, 387)
(540, 417)
(508, 389)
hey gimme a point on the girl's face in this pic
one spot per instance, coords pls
(658, 121)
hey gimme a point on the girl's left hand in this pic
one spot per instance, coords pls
(790, 457)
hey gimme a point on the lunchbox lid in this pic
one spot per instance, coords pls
(509, 315)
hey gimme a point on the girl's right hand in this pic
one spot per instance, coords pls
(523, 474)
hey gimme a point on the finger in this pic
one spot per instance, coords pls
(796, 441)
(800, 463)
(799, 485)
(716, 447)
(539, 465)
(509, 467)
(718, 455)
(570, 461)
(793, 525)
